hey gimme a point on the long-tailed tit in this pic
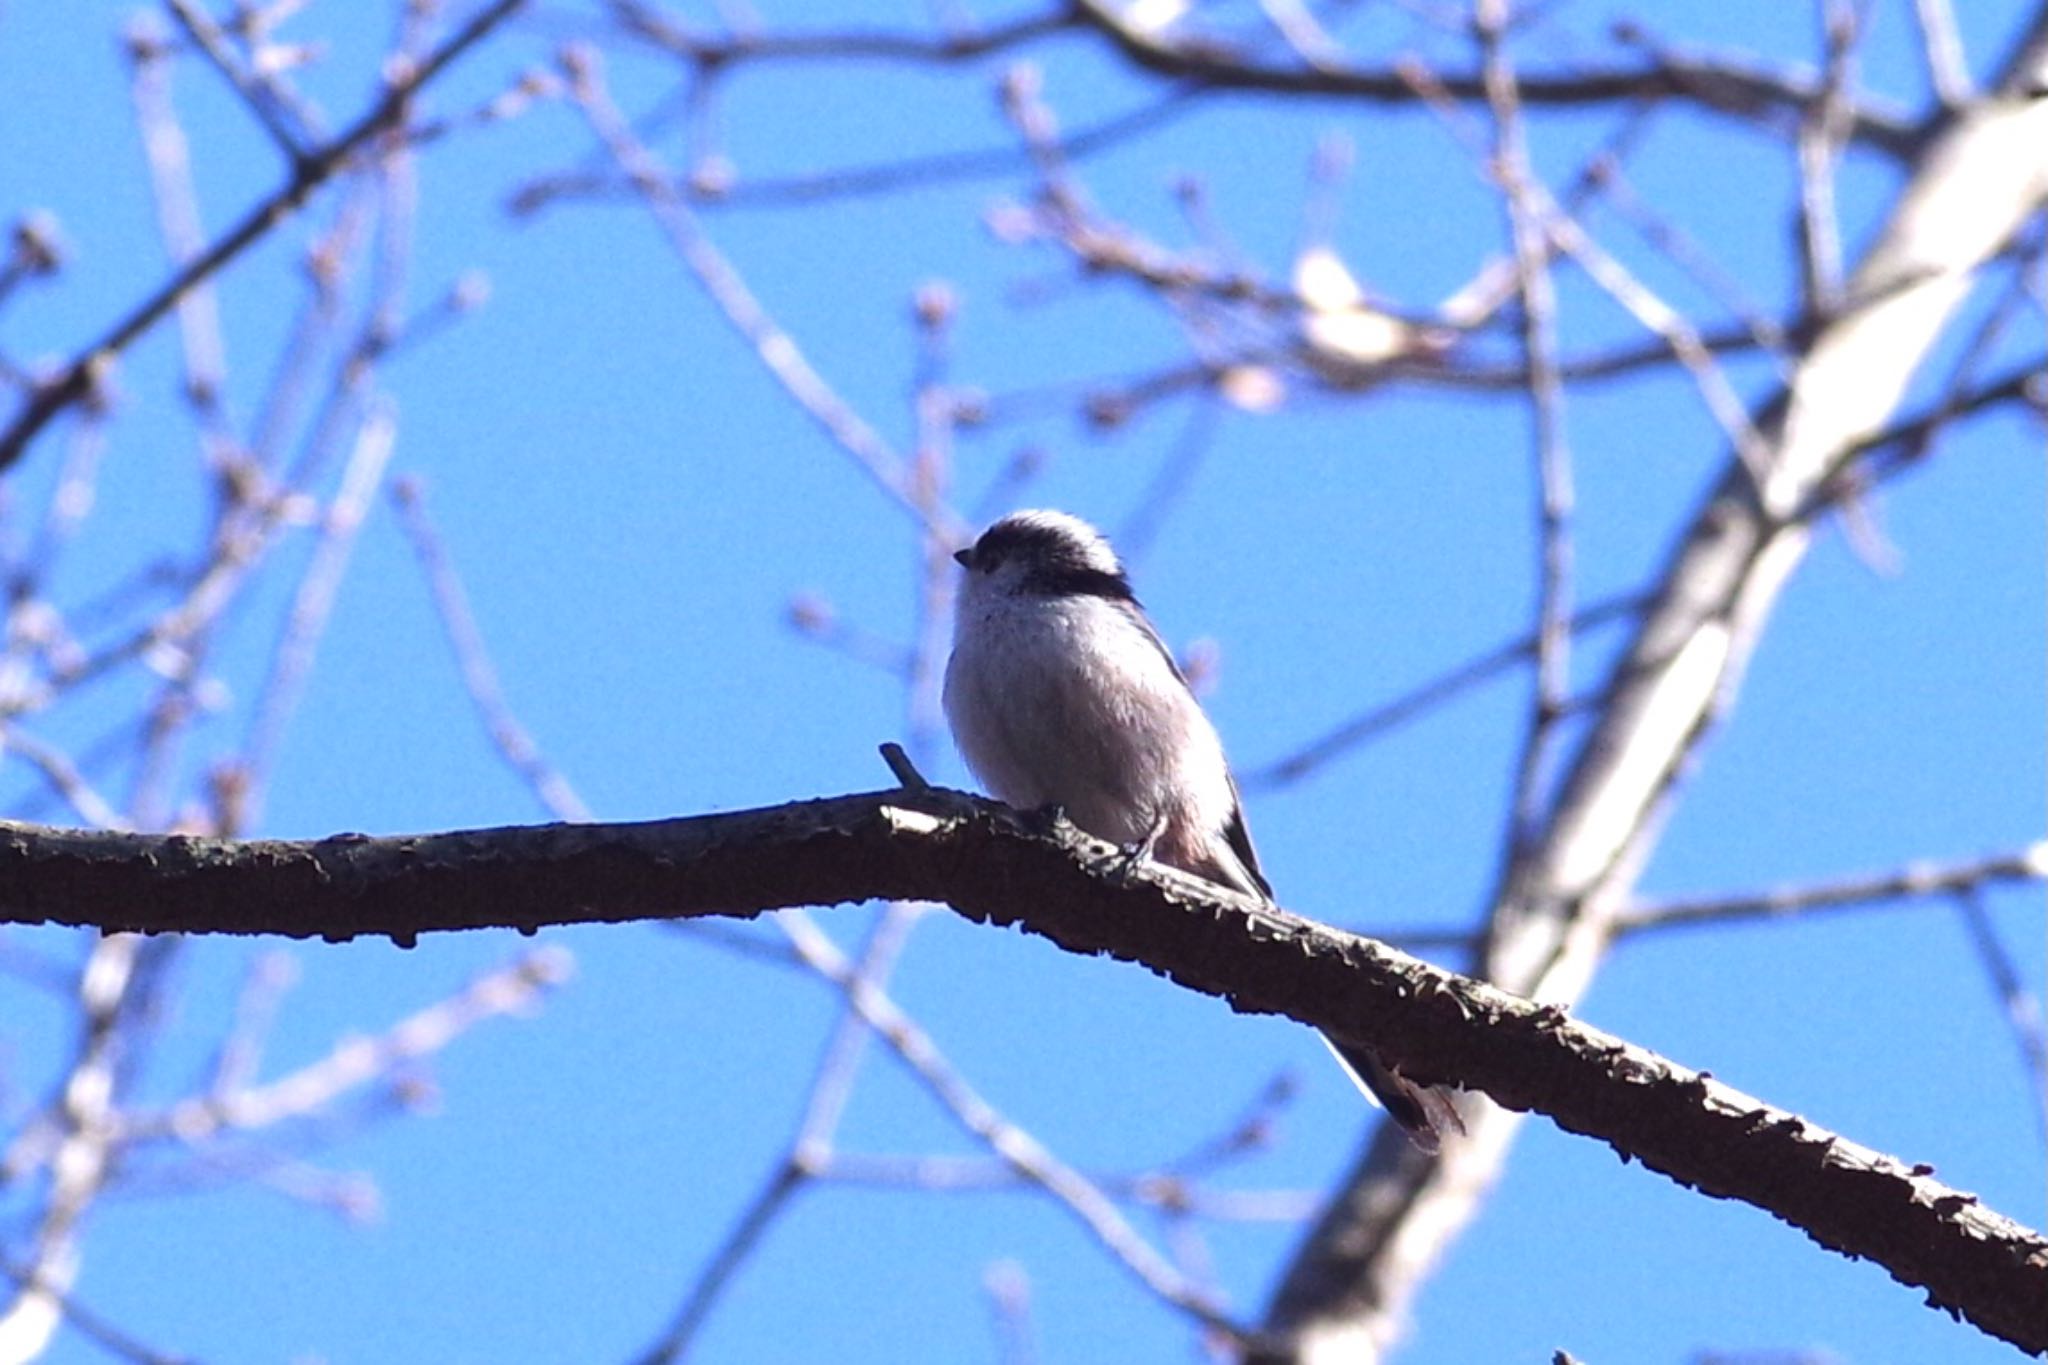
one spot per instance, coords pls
(1061, 693)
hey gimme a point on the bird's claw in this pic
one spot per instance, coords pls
(1125, 869)
(1046, 818)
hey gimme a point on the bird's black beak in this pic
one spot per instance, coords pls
(964, 558)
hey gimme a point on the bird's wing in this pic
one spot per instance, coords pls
(1238, 836)
(1134, 613)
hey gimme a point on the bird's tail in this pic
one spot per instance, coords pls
(1424, 1112)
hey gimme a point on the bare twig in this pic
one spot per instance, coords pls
(1024, 1153)
(1420, 700)
(354, 1062)
(514, 743)
(79, 380)
(1669, 688)
(178, 221)
(1819, 144)
(1942, 49)
(776, 348)
(282, 117)
(75, 1144)
(313, 604)
(1684, 251)
(1749, 93)
(116, 1341)
(1620, 283)
(856, 182)
(64, 778)
(2021, 1006)
(746, 1233)
(1552, 683)
(1009, 1294)
(1912, 882)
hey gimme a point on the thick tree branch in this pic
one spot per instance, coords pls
(1000, 868)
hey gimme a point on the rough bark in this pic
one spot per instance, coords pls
(1002, 869)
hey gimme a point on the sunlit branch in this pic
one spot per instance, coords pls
(512, 740)
(1749, 93)
(1912, 882)
(78, 380)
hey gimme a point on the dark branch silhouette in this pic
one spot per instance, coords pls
(999, 868)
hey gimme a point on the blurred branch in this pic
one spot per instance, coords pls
(746, 1233)
(353, 1062)
(35, 250)
(63, 777)
(1669, 689)
(95, 1328)
(1161, 1192)
(756, 46)
(179, 222)
(1015, 1148)
(776, 349)
(1523, 203)
(72, 1139)
(268, 101)
(859, 181)
(1213, 62)
(81, 379)
(1000, 868)
(1942, 46)
(1753, 94)
(2029, 864)
(291, 662)
(2021, 1006)
(512, 740)
(1420, 700)
(1819, 145)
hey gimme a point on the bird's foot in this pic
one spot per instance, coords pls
(1125, 869)
(1045, 819)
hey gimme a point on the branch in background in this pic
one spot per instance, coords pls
(353, 1063)
(1524, 201)
(1426, 697)
(2029, 864)
(860, 181)
(994, 867)
(2021, 1007)
(512, 740)
(1750, 93)
(81, 379)
(1976, 184)
(91, 1325)
(1212, 62)
(775, 347)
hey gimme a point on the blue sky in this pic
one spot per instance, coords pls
(633, 504)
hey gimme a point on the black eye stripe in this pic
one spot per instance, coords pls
(1059, 580)
(1055, 561)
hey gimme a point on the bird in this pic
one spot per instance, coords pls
(1060, 692)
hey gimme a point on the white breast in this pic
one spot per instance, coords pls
(1069, 701)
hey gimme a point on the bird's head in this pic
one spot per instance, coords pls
(1043, 554)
